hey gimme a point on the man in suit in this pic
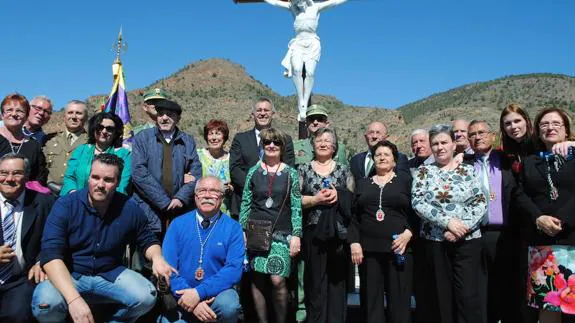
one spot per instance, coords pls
(40, 113)
(246, 150)
(59, 145)
(24, 214)
(499, 228)
(362, 164)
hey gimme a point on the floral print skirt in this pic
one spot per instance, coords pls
(551, 279)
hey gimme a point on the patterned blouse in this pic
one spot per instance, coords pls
(440, 195)
(312, 182)
(216, 167)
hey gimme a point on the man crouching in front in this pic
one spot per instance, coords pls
(207, 248)
(84, 241)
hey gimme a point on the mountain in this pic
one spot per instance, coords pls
(485, 100)
(219, 88)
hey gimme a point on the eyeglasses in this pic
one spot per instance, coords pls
(40, 109)
(478, 134)
(208, 191)
(15, 174)
(10, 111)
(268, 142)
(548, 125)
(100, 127)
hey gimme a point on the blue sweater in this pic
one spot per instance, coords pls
(223, 254)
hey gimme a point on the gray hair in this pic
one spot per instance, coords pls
(320, 132)
(43, 98)
(78, 102)
(418, 132)
(10, 156)
(263, 99)
(474, 122)
(439, 129)
(221, 184)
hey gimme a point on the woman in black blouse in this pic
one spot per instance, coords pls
(549, 179)
(324, 183)
(380, 234)
(15, 109)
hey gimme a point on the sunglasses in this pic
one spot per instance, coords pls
(318, 118)
(268, 142)
(100, 127)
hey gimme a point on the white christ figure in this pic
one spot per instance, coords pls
(304, 49)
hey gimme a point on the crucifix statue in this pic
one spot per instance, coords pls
(304, 49)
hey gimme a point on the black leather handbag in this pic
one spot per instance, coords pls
(259, 232)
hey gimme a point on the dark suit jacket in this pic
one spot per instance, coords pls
(37, 206)
(244, 155)
(357, 165)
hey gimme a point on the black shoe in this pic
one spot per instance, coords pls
(165, 298)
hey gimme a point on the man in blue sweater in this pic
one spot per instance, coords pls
(207, 249)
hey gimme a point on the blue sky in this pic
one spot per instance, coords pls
(383, 53)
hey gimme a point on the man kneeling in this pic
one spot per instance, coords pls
(207, 249)
(84, 241)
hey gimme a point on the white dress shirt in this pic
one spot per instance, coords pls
(18, 213)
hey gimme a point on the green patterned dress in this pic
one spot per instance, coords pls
(277, 261)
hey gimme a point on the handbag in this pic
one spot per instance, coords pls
(259, 232)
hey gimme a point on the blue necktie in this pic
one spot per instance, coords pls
(9, 235)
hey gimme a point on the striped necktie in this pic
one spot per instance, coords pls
(9, 235)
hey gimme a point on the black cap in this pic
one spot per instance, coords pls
(168, 105)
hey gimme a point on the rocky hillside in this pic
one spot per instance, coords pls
(218, 88)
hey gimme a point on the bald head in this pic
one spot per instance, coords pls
(375, 132)
(461, 138)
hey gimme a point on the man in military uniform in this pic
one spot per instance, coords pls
(59, 145)
(316, 117)
(151, 97)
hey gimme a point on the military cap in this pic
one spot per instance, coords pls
(156, 93)
(316, 109)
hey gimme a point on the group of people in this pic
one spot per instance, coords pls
(94, 229)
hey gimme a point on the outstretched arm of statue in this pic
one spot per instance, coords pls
(327, 4)
(278, 3)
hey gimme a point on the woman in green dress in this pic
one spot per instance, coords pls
(272, 194)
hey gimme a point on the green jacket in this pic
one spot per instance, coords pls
(80, 164)
(304, 152)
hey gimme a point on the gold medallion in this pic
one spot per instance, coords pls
(199, 273)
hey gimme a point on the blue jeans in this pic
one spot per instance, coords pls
(226, 306)
(131, 293)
